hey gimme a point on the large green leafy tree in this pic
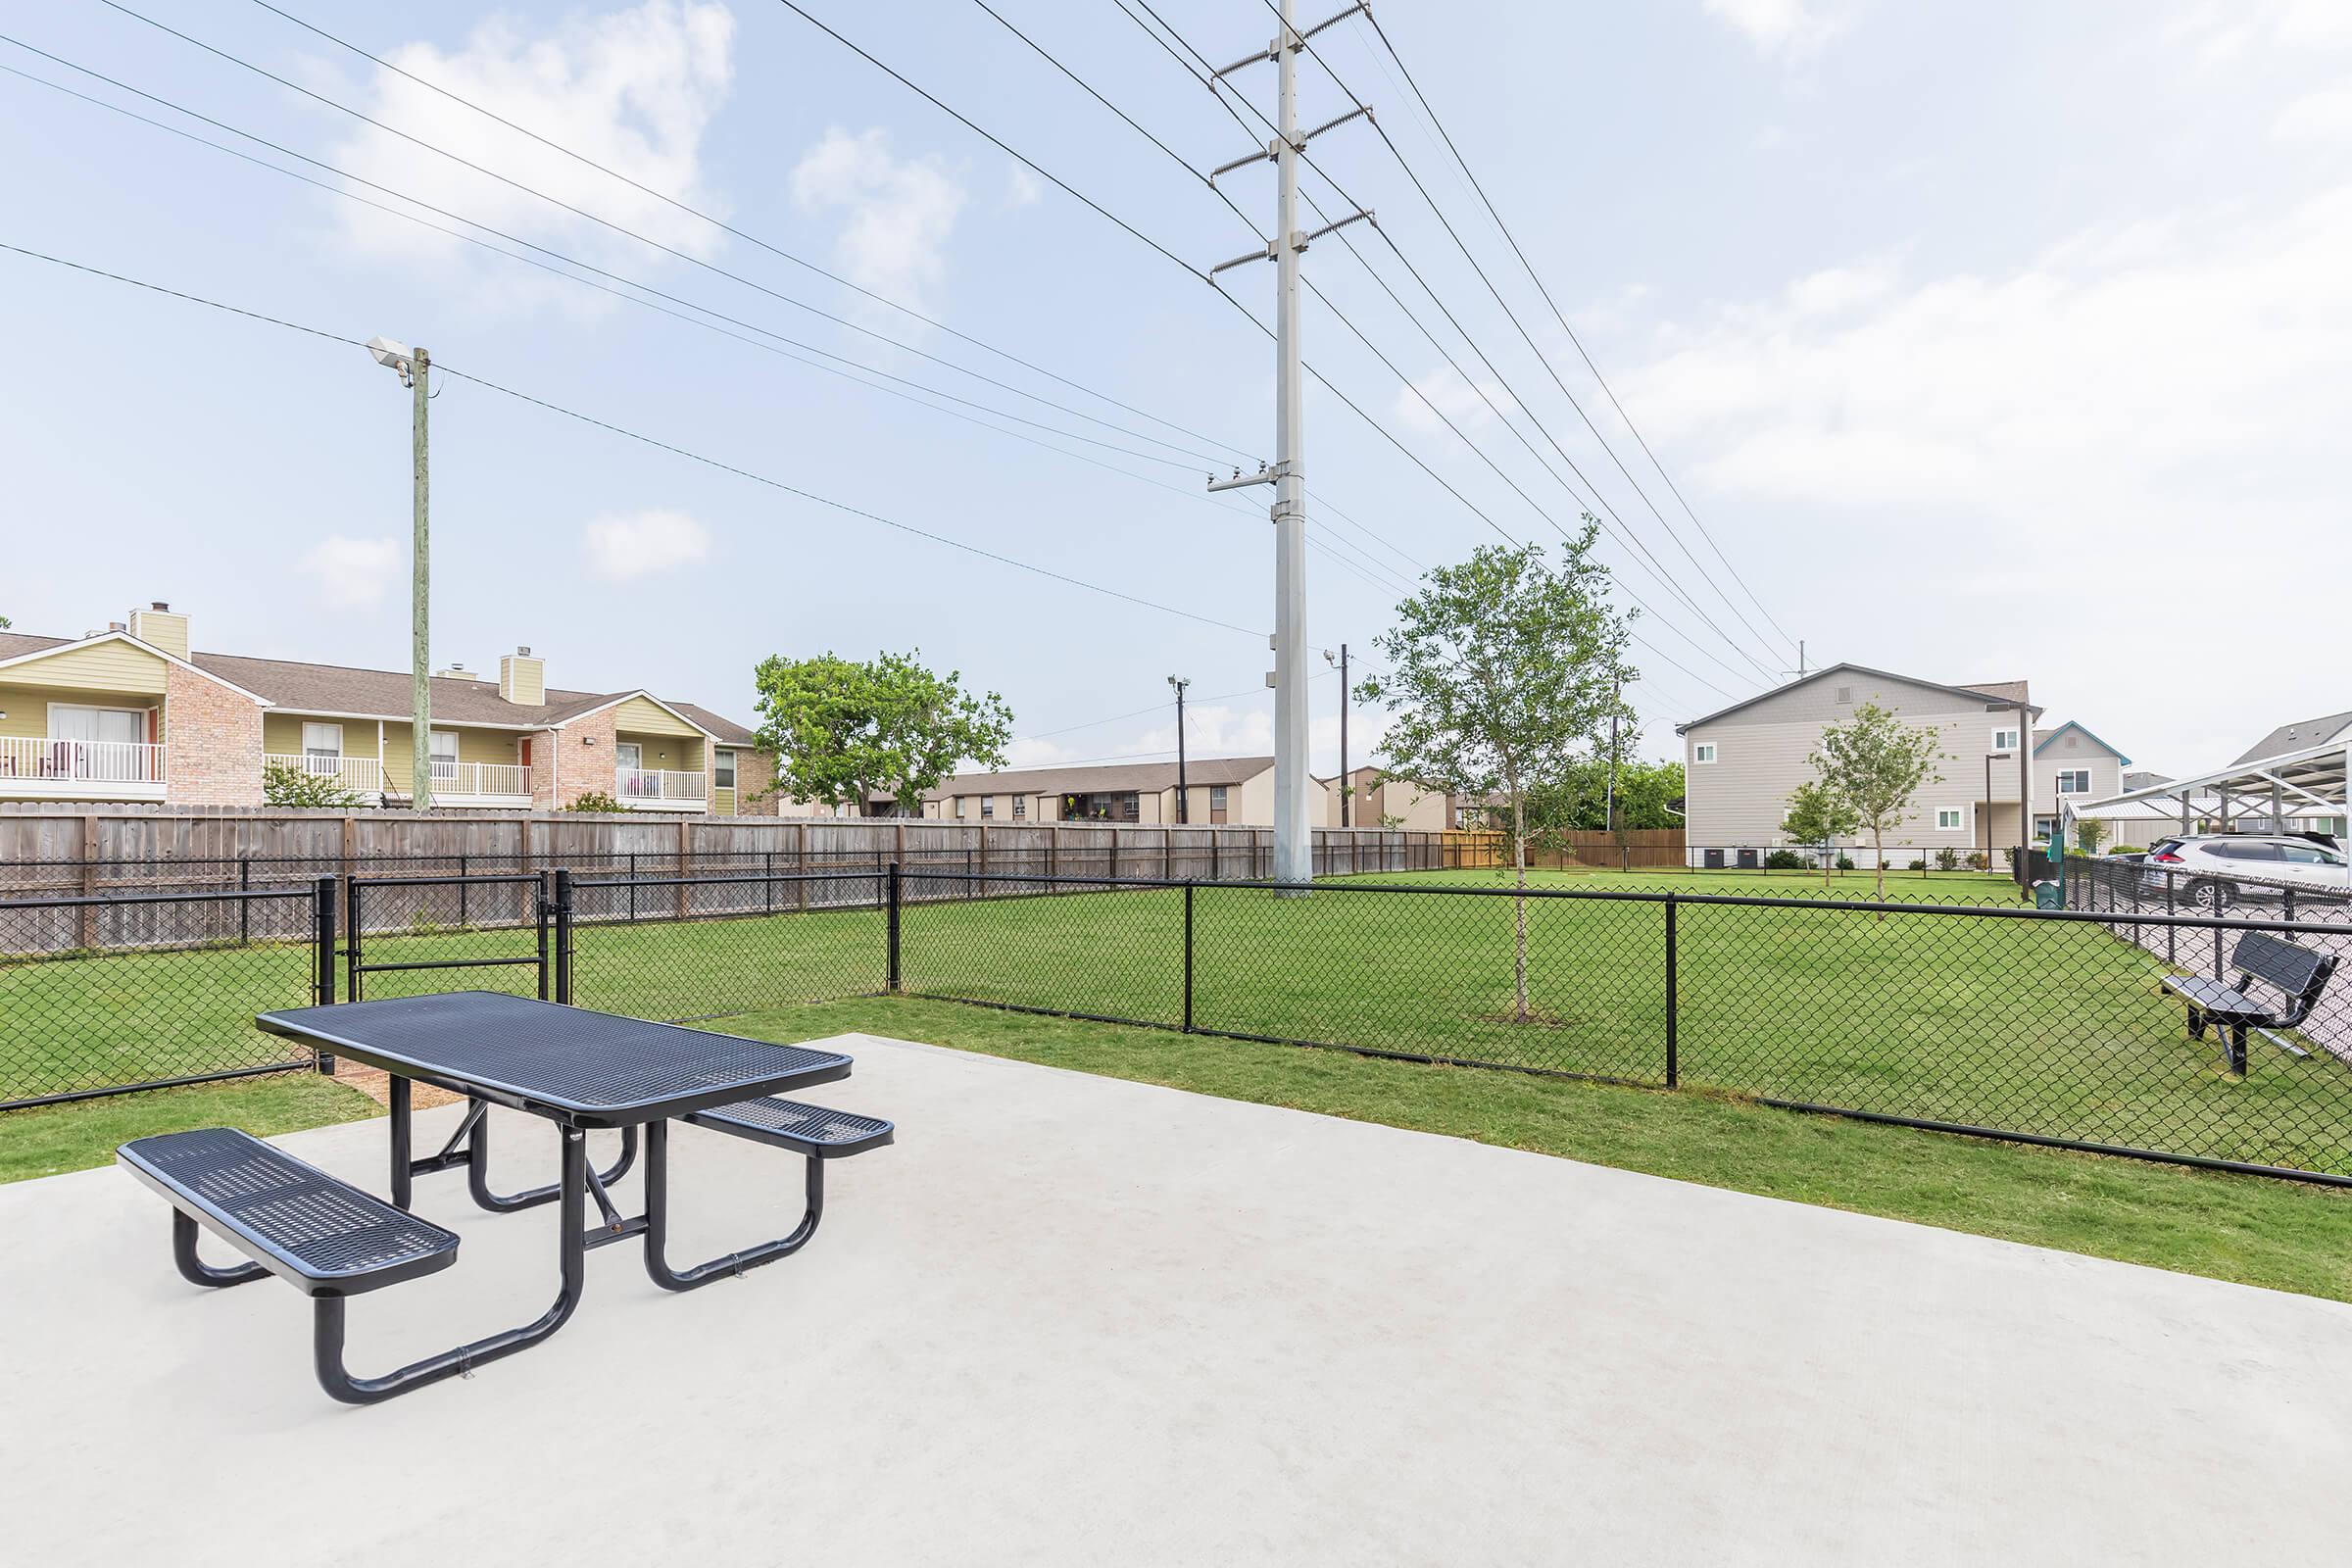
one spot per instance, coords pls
(842, 731)
(1504, 672)
(1649, 796)
(1874, 767)
(1817, 814)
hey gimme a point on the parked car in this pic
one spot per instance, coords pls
(2213, 871)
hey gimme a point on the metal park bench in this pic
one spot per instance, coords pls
(578, 1069)
(2297, 974)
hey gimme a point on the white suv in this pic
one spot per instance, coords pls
(2213, 873)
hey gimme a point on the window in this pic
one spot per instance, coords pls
(1704, 752)
(1020, 807)
(1845, 694)
(1130, 806)
(960, 807)
(723, 770)
(988, 807)
(2308, 855)
(2246, 852)
(443, 752)
(2074, 782)
(1948, 819)
(105, 726)
(322, 743)
(2045, 826)
(1216, 803)
(2005, 740)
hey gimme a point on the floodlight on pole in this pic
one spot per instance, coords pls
(1183, 795)
(413, 365)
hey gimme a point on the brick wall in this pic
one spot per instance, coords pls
(582, 754)
(215, 740)
(544, 745)
(755, 771)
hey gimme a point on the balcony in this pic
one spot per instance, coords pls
(504, 785)
(363, 776)
(649, 789)
(36, 768)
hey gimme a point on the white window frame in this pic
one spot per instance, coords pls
(958, 807)
(2005, 738)
(50, 718)
(2065, 774)
(1958, 822)
(1020, 807)
(320, 748)
(1703, 753)
(723, 761)
(987, 808)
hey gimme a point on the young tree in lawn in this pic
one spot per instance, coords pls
(2089, 833)
(1504, 672)
(1875, 766)
(1817, 814)
(843, 732)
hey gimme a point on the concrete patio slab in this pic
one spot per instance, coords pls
(1074, 1320)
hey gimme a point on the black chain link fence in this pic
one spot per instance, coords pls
(2048, 1025)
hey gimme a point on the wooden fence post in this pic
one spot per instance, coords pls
(86, 927)
(799, 846)
(685, 853)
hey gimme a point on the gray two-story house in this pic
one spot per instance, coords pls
(1742, 762)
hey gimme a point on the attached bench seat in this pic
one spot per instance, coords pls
(324, 1237)
(809, 1130)
(2297, 974)
(812, 1131)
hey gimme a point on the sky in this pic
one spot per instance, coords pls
(1985, 342)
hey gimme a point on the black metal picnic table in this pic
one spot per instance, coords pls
(576, 1068)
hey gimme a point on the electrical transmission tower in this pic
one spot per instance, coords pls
(1294, 837)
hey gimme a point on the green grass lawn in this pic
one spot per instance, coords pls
(2054, 1029)
(51, 1139)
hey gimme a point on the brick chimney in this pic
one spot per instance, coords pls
(523, 680)
(158, 627)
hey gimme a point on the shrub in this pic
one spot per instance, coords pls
(1947, 861)
(2127, 849)
(596, 801)
(1845, 863)
(1975, 862)
(284, 784)
(1784, 860)
(1919, 864)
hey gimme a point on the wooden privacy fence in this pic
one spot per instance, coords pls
(1645, 848)
(49, 852)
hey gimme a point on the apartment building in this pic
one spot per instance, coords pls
(1373, 801)
(136, 713)
(1742, 762)
(1234, 790)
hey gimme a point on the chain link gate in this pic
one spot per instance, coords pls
(488, 918)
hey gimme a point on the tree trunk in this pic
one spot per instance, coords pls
(1827, 862)
(1519, 904)
(1878, 851)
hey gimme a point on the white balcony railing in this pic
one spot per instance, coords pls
(656, 784)
(510, 779)
(362, 775)
(48, 766)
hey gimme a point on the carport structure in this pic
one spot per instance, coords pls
(2310, 780)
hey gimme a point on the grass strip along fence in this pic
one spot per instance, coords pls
(2044, 1026)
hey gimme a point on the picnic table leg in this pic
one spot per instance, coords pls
(656, 1223)
(396, 1099)
(477, 1167)
(327, 1327)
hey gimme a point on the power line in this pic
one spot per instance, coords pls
(1189, 494)
(1525, 336)
(1561, 317)
(654, 442)
(1657, 568)
(602, 223)
(740, 234)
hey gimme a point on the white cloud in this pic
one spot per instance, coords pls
(1778, 27)
(626, 545)
(2218, 32)
(2322, 116)
(634, 91)
(354, 573)
(1457, 399)
(1022, 188)
(899, 212)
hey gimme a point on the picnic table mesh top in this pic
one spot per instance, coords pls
(562, 1055)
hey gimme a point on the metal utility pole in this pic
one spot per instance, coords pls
(415, 367)
(1183, 794)
(1609, 807)
(1294, 834)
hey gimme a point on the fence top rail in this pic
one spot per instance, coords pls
(187, 896)
(747, 879)
(1994, 912)
(469, 879)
